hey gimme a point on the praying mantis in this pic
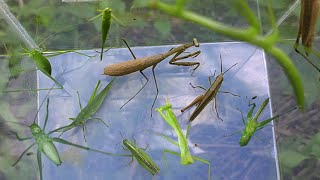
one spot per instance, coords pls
(203, 100)
(308, 18)
(131, 66)
(309, 13)
(252, 125)
(46, 145)
(185, 155)
(91, 108)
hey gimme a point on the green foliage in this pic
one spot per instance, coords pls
(163, 27)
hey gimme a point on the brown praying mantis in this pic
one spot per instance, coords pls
(134, 65)
(307, 26)
(203, 100)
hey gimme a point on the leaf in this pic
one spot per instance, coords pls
(291, 158)
(140, 3)
(163, 27)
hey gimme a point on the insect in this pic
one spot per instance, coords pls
(128, 67)
(308, 19)
(203, 100)
(185, 155)
(142, 157)
(91, 108)
(45, 144)
(252, 125)
(105, 25)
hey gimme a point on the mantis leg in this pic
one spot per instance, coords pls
(59, 140)
(203, 161)
(176, 58)
(306, 58)
(138, 91)
(39, 163)
(157, 93)
(47, 115)
(195, 158)
(165, 137)
(23, 154)
(187, 133)
(140, 73)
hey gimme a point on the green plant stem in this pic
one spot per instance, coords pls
(249, 35)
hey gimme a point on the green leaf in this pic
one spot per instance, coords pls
(163, 27)
(291, 158)
(140, 3)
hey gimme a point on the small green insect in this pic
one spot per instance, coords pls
(90, 109)
(105, 25)
(142, 157)
(46, 146)
(43, 64)
(185, 155)
(252, 125)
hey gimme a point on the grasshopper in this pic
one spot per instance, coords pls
(203, 100)
(91, 108)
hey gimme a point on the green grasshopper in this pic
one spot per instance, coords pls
(105, 25)
(91, 108)
(252, 125)
(42, 63)
(46, 146)
(142, 157)
(185, 155)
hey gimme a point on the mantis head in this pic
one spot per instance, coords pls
(195, 42)
(165, 107)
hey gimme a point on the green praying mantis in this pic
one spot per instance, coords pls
(252, 125)
(90, 109)
(185, 155)
(46, 145)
